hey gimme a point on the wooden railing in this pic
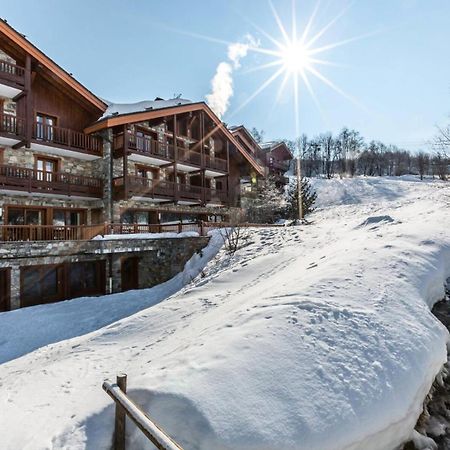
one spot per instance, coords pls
(213, 162)
(280, 165)
(147, 187)
(147, 145)
(32, 180)
(20, 233)
(57, 136)
(13, 125)
(12, 73)
(126, 407)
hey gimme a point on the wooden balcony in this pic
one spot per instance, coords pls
(166, 191)
(26, 233)
(65, 138)
(146, 149)
(12, 79)
(19, 233)
(279, 165)
(143, 187)
(12, 127)
(49, 138)
(37, 181)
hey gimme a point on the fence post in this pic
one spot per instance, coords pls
(119, 430)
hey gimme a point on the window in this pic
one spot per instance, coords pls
(24, 216)
(44, 127)
(219, 185)
(147, 172)
(46, 168)
(68, 217)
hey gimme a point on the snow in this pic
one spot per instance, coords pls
(165, 235)
(316, 337)
(142, 106)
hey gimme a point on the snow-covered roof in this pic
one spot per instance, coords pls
(117, 109)
(269, 145)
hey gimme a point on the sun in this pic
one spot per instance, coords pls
(295, 58)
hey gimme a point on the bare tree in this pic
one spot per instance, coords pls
(440, 163)
(423, 163)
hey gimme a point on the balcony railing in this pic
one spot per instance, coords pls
(64, 137)
(51, 135)
(12, 125)
(12, 73)
(212, 162)
(279, 165)
(24, 233)
(17, 233)
(32, 180)
(146, 187)
(146, 145)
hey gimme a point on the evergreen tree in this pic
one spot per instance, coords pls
(266, 203)
(308, 198)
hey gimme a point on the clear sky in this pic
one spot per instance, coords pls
(398, 75)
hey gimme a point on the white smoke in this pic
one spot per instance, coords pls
(222, 82)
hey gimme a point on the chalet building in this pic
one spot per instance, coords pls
(73, 166)
(278, 160)
(274, 158)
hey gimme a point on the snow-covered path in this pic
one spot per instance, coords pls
(313, 338)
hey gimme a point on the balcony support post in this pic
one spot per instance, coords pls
(28, 107)
(228, 173)
(202, 158)
(125, 162)
(175, 158)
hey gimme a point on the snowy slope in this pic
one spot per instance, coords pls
(313, 338)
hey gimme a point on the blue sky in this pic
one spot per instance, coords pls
(398, 76)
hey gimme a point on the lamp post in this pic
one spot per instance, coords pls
(299, 186)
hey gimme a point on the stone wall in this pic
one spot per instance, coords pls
(159, 259)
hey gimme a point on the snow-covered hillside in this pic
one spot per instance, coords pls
(315, 337)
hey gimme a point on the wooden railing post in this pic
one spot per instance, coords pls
(119, 430)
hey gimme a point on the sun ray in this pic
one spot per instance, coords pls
(268, 82)
(314, 96)
(329, 83)
(279, 23)
(309, 23)
(294, 22)
(263, 66)
(327, 26)
(341, 43)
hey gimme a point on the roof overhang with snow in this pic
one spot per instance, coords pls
(141, 116)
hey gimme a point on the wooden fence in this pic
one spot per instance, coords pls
(126, 407)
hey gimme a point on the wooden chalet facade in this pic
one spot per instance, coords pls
(73, 166)
(274, 158)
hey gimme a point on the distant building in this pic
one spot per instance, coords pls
(274, 158)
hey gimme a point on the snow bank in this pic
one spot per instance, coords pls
(317, 337)
(64, 320)
(112, 237)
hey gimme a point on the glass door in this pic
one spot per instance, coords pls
(46, 169)
(44, 127)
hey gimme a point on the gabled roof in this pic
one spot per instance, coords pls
(241, 128)
(20, 41)
(273, 145)
(141, 116)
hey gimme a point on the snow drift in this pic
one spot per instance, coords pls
(316, 338)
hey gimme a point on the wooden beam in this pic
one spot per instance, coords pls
(29, 119)
(125, 161)
(175, 157)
